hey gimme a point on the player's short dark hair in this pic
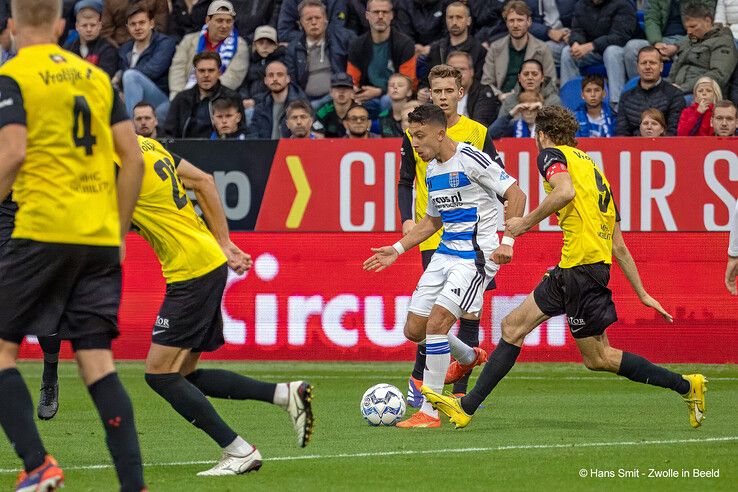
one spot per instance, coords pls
(428, 114)
(207, 55)
(444, 71)
(559, 124)
(697, 10)
(144, 104)
(138, 8)
(593, 79)
(225, 103)
(298, 104)
(517, 6)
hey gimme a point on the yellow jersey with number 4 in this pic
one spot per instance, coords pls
(588, 221)
(167, 220)
(65, 189)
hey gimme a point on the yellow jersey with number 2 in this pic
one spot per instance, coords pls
(167, 220)
(588, 221)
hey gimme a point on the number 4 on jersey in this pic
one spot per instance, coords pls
(82, 111)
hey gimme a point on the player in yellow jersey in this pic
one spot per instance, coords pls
(446, 91)
(60, 124)
(578, 192)
(194, 258)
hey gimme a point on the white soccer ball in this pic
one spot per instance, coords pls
(382, 404)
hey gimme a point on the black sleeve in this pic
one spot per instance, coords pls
(617, 212)
(490, 149)
(11, 103)
(407, 180)
(177, 158)
(118, 112)
(549, 157)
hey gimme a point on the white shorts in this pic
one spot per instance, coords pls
(452, 283)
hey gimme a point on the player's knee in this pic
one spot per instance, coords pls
(595, 362)
(413, 335)
(511, 331)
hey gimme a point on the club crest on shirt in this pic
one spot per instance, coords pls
(453, 180)
(56, 58)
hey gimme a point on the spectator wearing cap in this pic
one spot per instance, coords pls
(300, 119)
(357, 123)
(90, 45)
(506, 55)
(115, 17)
(189, 115)
(227, 116)
(269, 113)
(264, 50)
(377, 54)
(459, 38)
(329, 117)
(288, 26)
(319, 52)
(144, 62)
(218, 35)
(188, 16)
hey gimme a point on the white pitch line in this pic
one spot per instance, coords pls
(380, 454)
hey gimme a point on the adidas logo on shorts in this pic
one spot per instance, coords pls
(456, 291)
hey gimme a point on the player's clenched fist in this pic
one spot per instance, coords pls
(503, 254)
(381, 259)
(238, 261)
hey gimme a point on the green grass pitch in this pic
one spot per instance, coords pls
(545, 424)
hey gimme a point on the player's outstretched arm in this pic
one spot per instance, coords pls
(561, 194)
(627, 265)
(130, 174)
(515, 198)
(12, 155)
(203, 184)
(386, 255)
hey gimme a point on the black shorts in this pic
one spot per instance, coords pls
(69, 289)
(190, 315)
(581, 293)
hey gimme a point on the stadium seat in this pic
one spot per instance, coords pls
(631, 84)
(641, 19)
(598, 69)
(571, 93)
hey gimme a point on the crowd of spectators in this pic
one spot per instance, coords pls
(243, 69)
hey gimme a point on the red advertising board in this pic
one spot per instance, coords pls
(662, 184)
(307, 298)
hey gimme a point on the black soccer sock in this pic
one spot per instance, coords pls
(499, 364)
(218, 383)
(16, 418)
(469, 334)
(51, 347)
(116, 412)
(419, 362)
(191, 404)
(640, 370)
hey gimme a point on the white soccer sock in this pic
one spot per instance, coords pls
(437, 360)
(461, 351)
(239, 447)
(282, 395)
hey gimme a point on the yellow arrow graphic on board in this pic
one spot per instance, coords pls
(302, 197)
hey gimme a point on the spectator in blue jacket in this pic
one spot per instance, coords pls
(270, 112)
(318, 53)
(594, 115)
(144, 62)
